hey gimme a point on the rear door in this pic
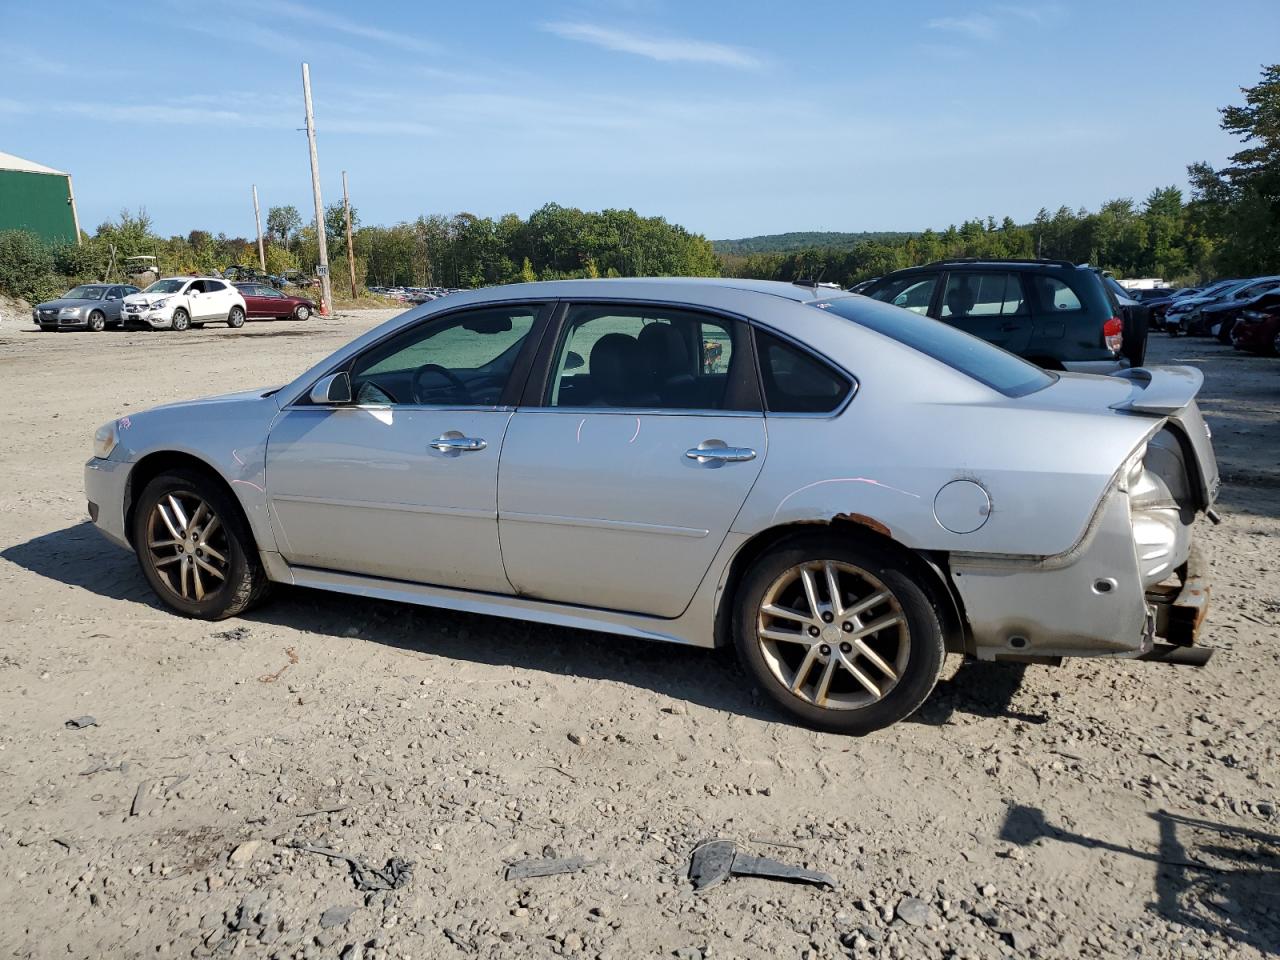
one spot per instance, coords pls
(622, 472)
(988, 304)
(219, 298)
(255, 304)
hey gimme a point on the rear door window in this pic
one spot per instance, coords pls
(983, 295)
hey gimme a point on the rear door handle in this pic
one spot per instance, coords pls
(454, 442)
(715, 452)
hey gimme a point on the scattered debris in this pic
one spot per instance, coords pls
(766, 841)
(79, 723)
(547, 867)
(100, 766)
(337, 916)
(143, 801)
(916, 912)
(234, 635)
(245, 852)
(396, 874)
(324, 810)
(292, 654)
(563, 773)
(716, 860)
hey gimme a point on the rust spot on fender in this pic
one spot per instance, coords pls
(863, 520)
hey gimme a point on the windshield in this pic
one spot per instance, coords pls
(165, 286)
(85, 293)
(984, 362)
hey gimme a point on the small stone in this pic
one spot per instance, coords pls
(575, 738)
(687, 953)
(336, 916)
(244, 854)
(1021, 940)
(915, 911)
(352, 951)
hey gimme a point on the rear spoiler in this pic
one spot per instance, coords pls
(1162, 391)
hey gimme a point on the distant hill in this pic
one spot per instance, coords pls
(808, 240)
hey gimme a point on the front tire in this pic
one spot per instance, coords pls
(301, 312)
(97, 322)
(235, 319)
(181, 320)
(840, 635)
(194, 547)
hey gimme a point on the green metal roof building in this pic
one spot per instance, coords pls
(37, 198)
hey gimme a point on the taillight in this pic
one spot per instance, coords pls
(1113, 334)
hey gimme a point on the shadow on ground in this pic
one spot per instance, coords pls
(79, 556)
(1221, 879)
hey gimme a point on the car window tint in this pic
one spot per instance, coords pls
(269, 292)
(975, 358)
(982, 295)
(651, 358)
(796, 381)
(910, 293)
(462, 360)
(1054, 294)
(214, 286)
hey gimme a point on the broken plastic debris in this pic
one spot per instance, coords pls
(715, 861)
(525, 869)
(79, 723)
(396, 874)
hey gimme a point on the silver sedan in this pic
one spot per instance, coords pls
(842, 490)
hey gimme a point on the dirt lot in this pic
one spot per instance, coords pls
(1095, 810)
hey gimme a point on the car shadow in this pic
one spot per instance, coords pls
(1220, 879)
(81, 557)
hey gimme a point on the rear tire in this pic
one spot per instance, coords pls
(829, 670)
(215, 548)
(181, 320)
(235, 319)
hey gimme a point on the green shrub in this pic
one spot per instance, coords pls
(27, 267)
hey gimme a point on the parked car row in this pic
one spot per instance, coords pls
(414, 294)
(173, 303)
(1214, 310)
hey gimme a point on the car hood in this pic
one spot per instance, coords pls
(240, 396)
(148, 298)
(64, 302)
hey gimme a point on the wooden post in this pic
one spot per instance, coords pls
(326, 292)
(257, 220)
(351, 253)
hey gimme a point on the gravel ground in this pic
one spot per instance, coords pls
(1101, 809)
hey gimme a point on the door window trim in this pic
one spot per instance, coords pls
(537, 387)
(511, 391)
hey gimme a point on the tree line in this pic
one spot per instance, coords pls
(1229, 225)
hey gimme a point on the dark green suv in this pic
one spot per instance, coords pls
(1051, 312)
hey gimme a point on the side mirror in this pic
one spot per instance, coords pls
(333, 389)
(573, 361)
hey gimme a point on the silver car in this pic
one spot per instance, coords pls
(843, 490)
(90, 306)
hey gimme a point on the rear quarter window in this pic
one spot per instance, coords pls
(1055, 296)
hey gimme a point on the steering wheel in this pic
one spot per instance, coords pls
(460, 388)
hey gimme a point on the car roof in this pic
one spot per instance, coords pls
(693, 290)
(974, 263)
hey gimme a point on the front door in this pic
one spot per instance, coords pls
(618, 486)
(990, 305)
(402, 482)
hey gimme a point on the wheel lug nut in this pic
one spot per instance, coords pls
(813, 631)
(846, 647)
(847, 627)
(824, 650)
(827, 617)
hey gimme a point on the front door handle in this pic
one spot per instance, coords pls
(454, 442)
(716, 452)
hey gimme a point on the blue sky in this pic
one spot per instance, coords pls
(733, 118)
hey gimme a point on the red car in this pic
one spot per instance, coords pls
(267, 303)
(1258, 329)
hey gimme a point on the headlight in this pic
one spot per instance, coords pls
(71, 311)
(159, 303)
(104, 441)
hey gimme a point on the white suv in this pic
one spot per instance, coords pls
(177, 303)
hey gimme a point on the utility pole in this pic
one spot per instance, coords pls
(257, 219)
(326, 292)
(351, 254)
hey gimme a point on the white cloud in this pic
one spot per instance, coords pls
(979, 26)
(665, 49)
(340, 24)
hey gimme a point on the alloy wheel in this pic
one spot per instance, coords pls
(302, 312)
(97, 322)
(188, 546)
(833, 635)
